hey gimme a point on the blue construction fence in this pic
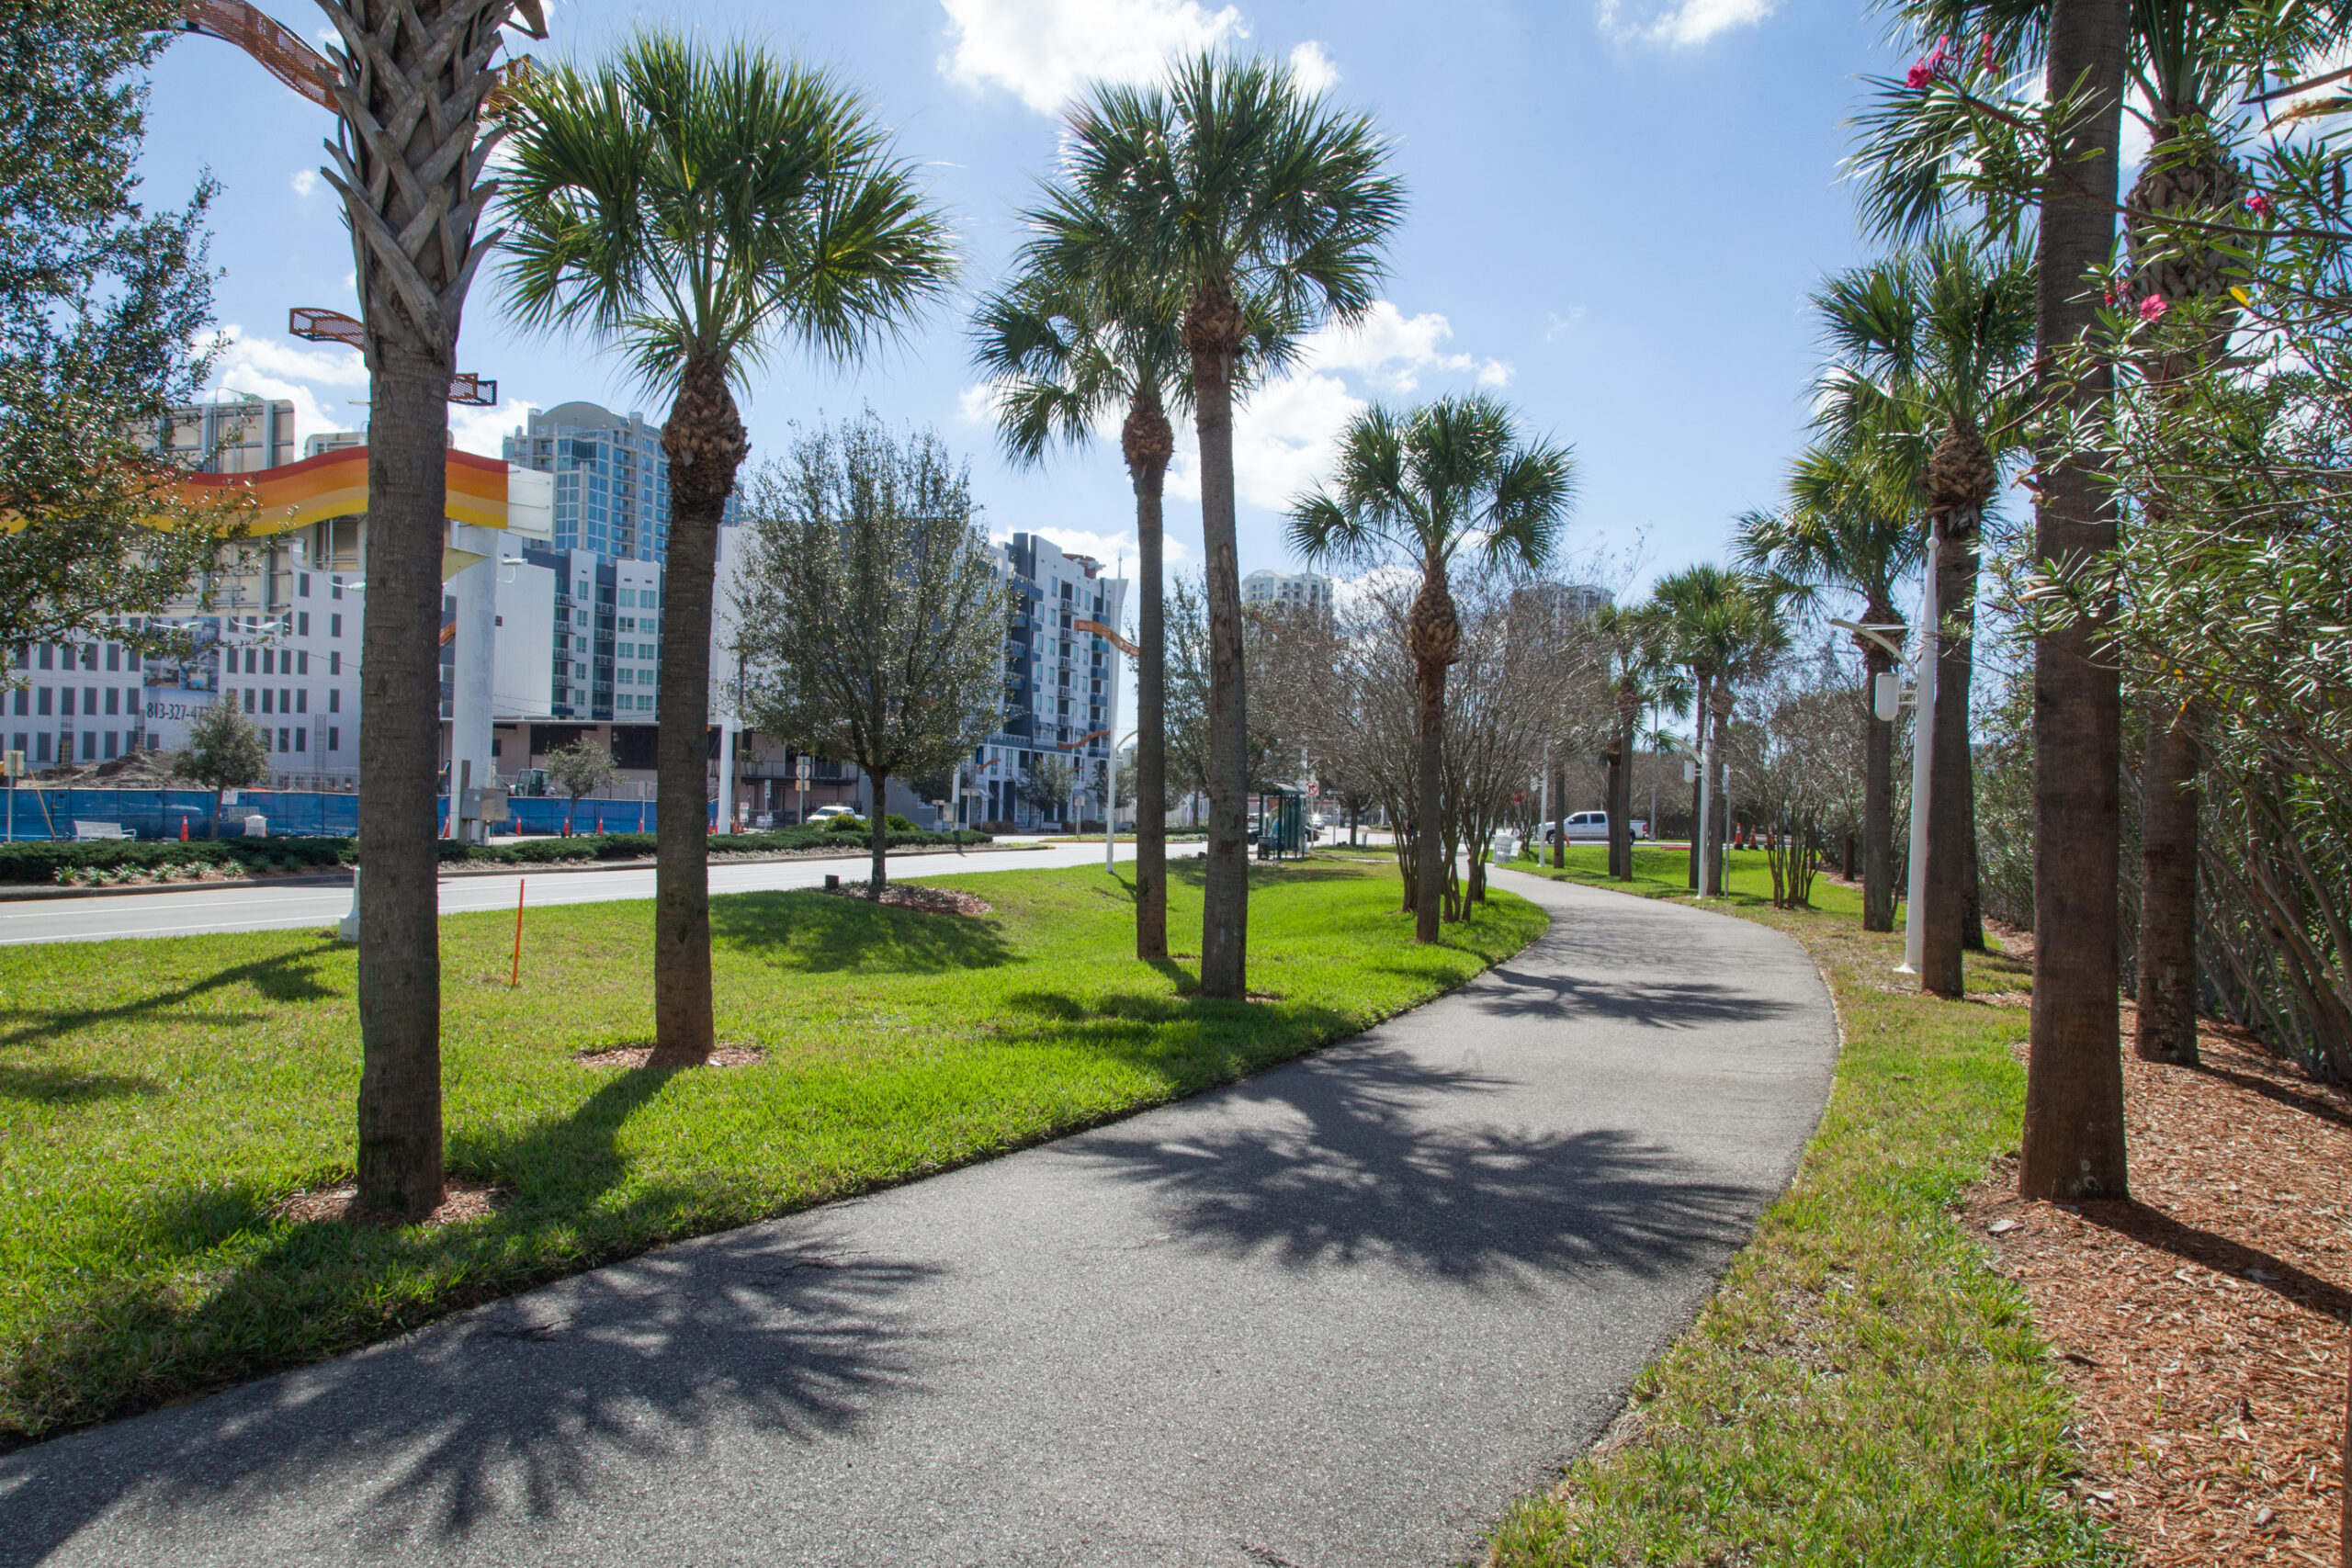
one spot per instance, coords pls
(39, 813)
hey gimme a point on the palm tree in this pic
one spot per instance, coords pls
(411, 78)
(1064, 353)
(692, 206)
(1248, 199)
(1840, 531)
(1452, 476)
(1637, 642)
(1724, 627)
(1925, 377)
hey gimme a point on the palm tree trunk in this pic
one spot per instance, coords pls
(1212, 333)
(1949, 814)
(705, 443)
(2074, 1144)
(1701, 697)
(1431, 741)
(1719, 803)
(400, 1164)
(2167, 1027)
(878, 836)
(1878, 798)
(1149, 443)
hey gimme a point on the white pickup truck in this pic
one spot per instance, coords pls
(1591, 827)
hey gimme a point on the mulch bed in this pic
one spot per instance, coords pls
(912, 896)
(2201, 1324)
(635, 1057)
(466, 1201)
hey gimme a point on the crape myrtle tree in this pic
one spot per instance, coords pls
(1252, 201)
(1454, 478)
(872, 616)
(694, 207)
(100, 302)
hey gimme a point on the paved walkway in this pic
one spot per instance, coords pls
(1341, 1313)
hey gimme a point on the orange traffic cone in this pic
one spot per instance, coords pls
(183, 830)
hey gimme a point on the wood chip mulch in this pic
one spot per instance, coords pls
(635, 1057)
(2202, 1323)
(466, 1201)
(913, 896)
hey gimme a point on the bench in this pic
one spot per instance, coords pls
(85, 830)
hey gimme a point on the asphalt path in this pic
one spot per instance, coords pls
(197, 909)
(1340, 1313)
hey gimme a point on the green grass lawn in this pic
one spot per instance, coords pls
(157, 1098)
(1862, 1389)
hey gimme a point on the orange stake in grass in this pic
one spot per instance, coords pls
(516, 978)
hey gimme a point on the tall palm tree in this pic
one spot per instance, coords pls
(1642, 673)
(1724, 627)
(693, 206)
(1244, 195)
(412, 78)
(1452, 477)
(1927, 352)
(1064, 353)
(1840, 531)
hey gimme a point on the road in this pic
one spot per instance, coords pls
(196, 910)
(1338, 1315)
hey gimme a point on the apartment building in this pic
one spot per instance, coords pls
(1057, 678)
(1286, 590)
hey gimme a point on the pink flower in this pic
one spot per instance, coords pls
(2258, 204)
(1929, 66)
(2153, 306)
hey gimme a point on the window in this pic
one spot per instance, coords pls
(45, 651)
(89, 699)
(335, 700)
(303, 662)
(46, 694)
(334, 626)
(334, 737)
(629, 598)
(302, 590)
(302, 623)
(24, 703)
(249, 699)
(89, 656)
(89, 745)
(269, 661)
(134, 658)
(301, 740)
(334, 590)
(114, 656)
(113, 696)
(43, 754)
(130, 699)
(113, 750)
(334, 664)
(302, 700)
(282, 741)
(267, 697)
(285, 700)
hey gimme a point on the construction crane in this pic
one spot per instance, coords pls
(316, 324)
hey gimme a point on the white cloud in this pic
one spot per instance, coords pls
(1283, 435)
(1045, 52)
(1313, 68)
(317, 380)
(305, 181)
(1562, 325)
(1684, 26)
(977, 403)
(478, 431)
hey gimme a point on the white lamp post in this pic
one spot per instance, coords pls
(1885, 702)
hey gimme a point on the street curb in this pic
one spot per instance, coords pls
(19, 893)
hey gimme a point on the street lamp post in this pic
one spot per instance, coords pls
(1704, 756)
(1922, 666)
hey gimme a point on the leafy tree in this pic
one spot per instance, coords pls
(580, 769)
(1046, 786)
(225, 751)
(99, 302)
(1452, 478)
(692, 206)
(872, 614)
(1726, 627)
(1841, 531)
(1637, 643)
(1250, 201)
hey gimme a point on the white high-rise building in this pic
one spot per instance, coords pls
(1286, 590)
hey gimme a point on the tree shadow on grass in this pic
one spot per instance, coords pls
(61, 1086)
(287, 978)
(1365, 1154)
(506, 1411)
(822, 933)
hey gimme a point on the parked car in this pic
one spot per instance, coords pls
(1590, 827)
(825, 814)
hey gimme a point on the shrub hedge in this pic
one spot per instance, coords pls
(109, 860)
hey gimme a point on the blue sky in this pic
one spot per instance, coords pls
(1616, 213)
